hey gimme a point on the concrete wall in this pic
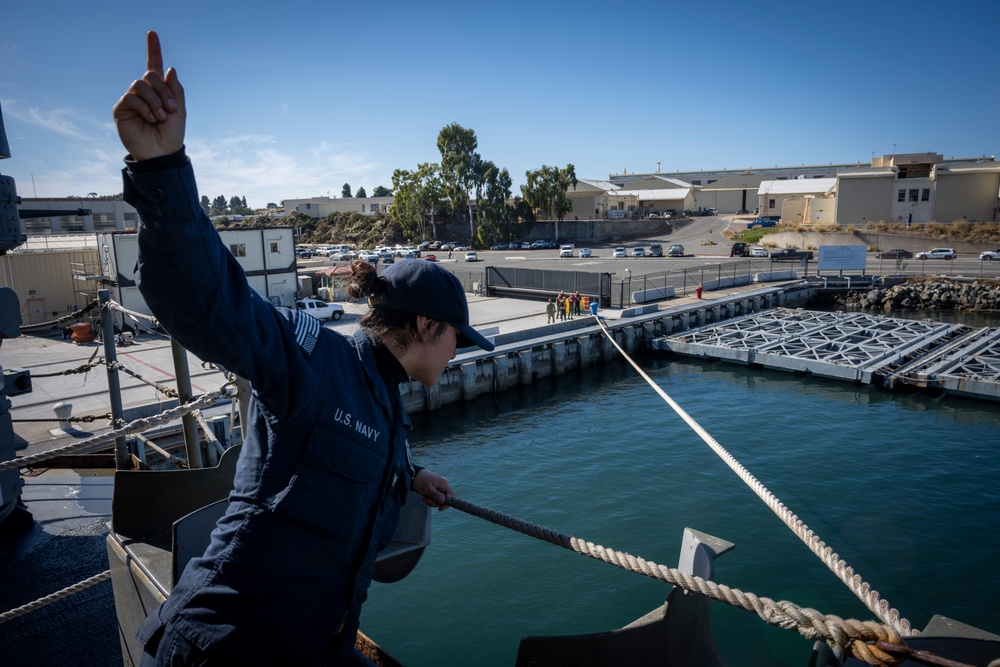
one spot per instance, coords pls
(486, 374)
(44, 282)
(863, 200)
(966, 196)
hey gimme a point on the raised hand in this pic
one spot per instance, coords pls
(150, 115)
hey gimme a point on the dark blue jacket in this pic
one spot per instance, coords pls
(324, 464)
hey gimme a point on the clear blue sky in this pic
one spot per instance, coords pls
(295, 99)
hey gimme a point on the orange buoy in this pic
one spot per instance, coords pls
(82, 333)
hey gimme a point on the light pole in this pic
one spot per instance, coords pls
(628, 272)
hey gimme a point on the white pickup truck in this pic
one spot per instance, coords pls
(321, 310)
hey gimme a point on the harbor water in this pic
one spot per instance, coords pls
(902, 486)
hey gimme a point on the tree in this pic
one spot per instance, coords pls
(417, 195)
(361, 194)
(495, 214)
(346, 190)
(460, 165)
(235, 204)
(546, 191)
(380, 191)
(271, 204)
(206, 205)
(243, 201)
(219, 203)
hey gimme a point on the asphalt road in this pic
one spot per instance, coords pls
(704, 245)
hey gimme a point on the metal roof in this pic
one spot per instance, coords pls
(798, 186)
(656, 195)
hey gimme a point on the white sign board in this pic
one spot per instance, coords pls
(842, 257)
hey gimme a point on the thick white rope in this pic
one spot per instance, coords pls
(53, 597)
(849, 636)
(845, 573)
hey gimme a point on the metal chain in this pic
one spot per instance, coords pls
(65, 318)
(69, 371)
(84, 419)
(138, 425)
(117, 365)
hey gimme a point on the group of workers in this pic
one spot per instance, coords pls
(565, 305)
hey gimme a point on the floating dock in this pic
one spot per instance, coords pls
(856, 347)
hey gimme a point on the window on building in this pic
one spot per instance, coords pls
(696, 182)
(901, 196)
(274, 246)
(710, 181)
(770, 203)
(925, 194)
(362, 208)
(913, 194)
(238, 249)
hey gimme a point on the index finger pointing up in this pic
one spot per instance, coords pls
(154, 59)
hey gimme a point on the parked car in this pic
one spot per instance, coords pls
(431, 258)
(757, 251)
(461, 248)
(791, 255)
(585, 252)
(498, 246)
(937, 253)
(513, 245)
(742, 211)
(763, 222)
(619, 252)
(676, 250)
(341, 256)
(988, 255)
(426, 245)
(471, 256)
(638, 251)
(386, 256)
(369, 256)
(655, 250)
(540, 244)
(321, 310)
(739, 249)
(525, 246)
(895, 253)
(566, 250)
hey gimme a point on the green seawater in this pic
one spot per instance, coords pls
(903, 486)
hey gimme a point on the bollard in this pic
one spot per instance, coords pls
(697, 291)
(63, 412)
(593, 307)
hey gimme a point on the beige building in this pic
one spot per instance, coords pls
(800, 200)
(593, 199)
(918, 188)
(730, 194)
(320, 207)
(106, 216)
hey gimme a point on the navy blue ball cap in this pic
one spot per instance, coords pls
(422, 287)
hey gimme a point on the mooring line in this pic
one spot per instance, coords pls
(864, 592)
(847, 635)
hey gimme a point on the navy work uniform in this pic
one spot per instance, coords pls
(324, 465)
